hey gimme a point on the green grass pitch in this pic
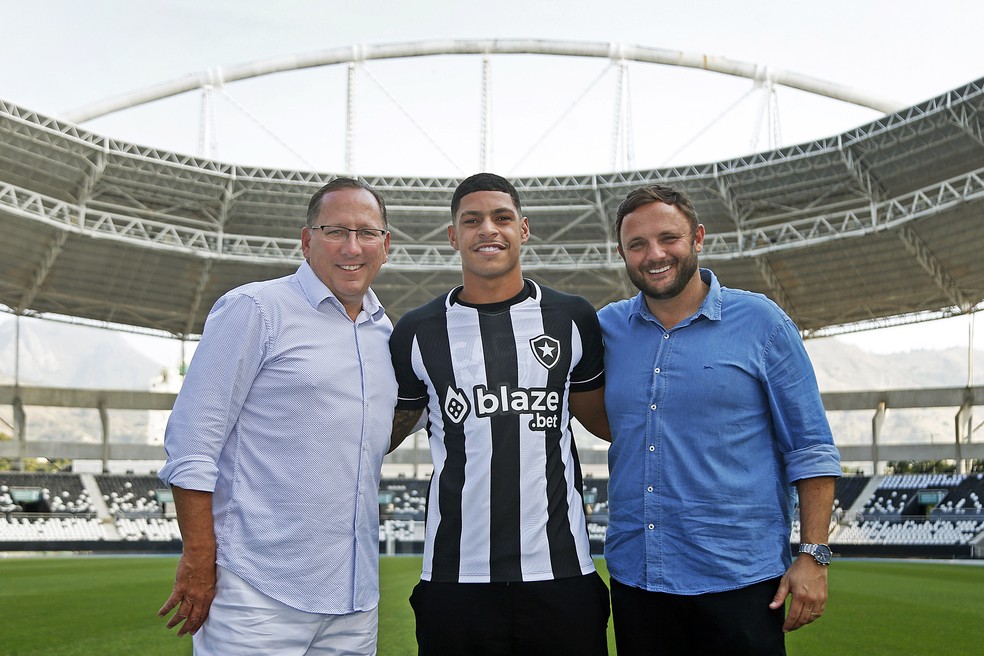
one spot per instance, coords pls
(106, 606)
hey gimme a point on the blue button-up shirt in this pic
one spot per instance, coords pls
(285, 415)
(712, 421)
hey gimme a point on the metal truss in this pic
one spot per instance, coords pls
(755, 242)
(877, 216)
(941, 108)
(767, 215)
(934, 267)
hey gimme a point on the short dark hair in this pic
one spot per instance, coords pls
(314, 205)
(656, 193)
(483, 182)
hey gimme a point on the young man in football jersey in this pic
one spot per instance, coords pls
(501, 364)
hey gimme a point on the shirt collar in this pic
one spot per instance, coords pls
(530, 290)
(710, 307)
(317, 293)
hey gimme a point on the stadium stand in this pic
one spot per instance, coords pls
(595, 494)
(62, 493)
(964, 499)
(402, 499)
(898, 494)
(909, 532)
(916, 515)
(68, 515)
(847, 489)
(925, 515)
(126, 495)
(151, 529)
(846, 492)
(52, 529)
(47, 507)
(403, 503)
(139, 515)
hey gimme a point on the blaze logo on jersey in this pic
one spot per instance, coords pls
(456, 406)
(546, 350)
(542, 404)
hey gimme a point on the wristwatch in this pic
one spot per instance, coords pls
(820, 552)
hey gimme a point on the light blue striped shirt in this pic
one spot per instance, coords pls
(285, 415)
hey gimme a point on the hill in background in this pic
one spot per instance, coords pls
(54, 354)
(842, 367)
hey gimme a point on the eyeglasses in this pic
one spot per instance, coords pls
(368, 236)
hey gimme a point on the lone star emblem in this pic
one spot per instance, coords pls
(546, 350)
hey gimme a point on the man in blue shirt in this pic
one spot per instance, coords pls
(715, 413)
(275, 446)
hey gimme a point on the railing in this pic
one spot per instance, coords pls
(932, 518)
(17, 514)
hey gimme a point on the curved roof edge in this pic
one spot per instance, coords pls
(360, 53)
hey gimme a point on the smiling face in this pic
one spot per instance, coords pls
(347, 268)
(660, 246)
(488, 231)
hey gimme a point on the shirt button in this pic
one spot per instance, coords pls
(652, 407)
(649, 489)
(666, 335)
(656, 370)
(652, 526)
(652, 448)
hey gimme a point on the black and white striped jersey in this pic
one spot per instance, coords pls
(505, 498)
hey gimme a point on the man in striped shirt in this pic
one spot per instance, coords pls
(275, 447)
(501, 364)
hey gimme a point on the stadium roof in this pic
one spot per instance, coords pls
(883, 223)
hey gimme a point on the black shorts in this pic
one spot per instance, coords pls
(564, 616)
(734, 623)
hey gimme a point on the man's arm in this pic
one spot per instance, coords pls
(589, 409)
(806, 580)
(194, 581)
(404, 423)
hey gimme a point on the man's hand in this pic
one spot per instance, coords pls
(194, 590)
(806, 581)
(194, 581)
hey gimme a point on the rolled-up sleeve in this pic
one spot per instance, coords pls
(799, 418)
(218, 381)
(815, 460)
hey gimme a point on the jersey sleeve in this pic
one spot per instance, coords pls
(589, 373)
(412, 391)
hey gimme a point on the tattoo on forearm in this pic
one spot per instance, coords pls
(404, 421)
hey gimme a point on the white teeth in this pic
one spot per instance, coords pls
(655, 271)
(351, 267)
(488, 249)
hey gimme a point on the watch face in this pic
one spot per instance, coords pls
(820, 552)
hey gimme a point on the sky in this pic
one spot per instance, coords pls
(549, 115)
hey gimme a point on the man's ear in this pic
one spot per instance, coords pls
(305, 241)
(452, 237)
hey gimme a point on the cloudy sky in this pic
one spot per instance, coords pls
(549, 115)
